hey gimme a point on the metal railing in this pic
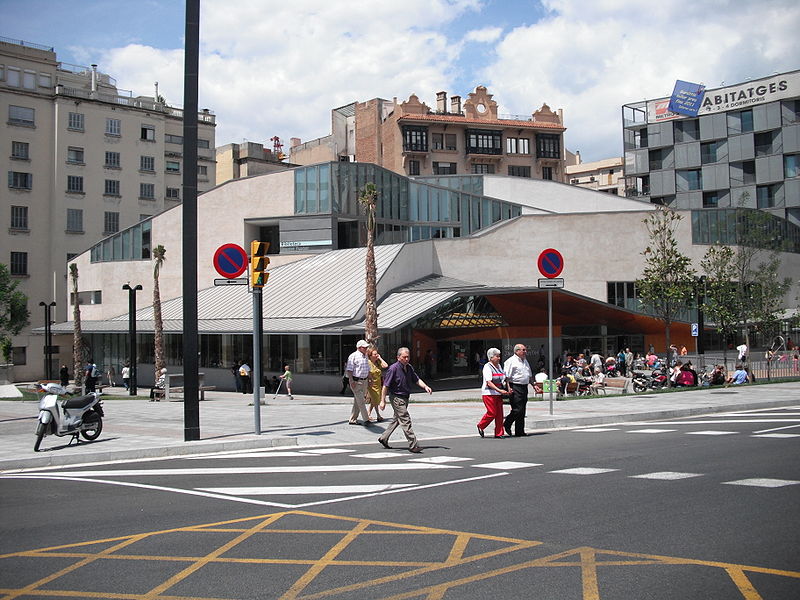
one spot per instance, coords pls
(26, 44)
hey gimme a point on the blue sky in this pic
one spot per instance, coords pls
(277, 68)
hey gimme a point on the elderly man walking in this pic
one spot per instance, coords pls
(518, 373)
(357, 371)
(397, 384)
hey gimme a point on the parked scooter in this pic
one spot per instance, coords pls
(81, 415)
(654, 381)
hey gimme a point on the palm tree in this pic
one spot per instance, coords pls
(77, 334)
(159, 257)
(367, 198)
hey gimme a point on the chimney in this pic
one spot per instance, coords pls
(294, 142)
(455, 105)
(441, 102)
(94, 78)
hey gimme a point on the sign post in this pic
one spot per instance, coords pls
(550, 263)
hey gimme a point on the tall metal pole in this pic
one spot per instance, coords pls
(256, 381)
(48, 339)
(550, 343)
(191, 377)
(132, 334)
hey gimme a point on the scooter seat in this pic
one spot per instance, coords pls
(79, 402)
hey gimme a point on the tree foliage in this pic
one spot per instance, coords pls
(367, 197)
(14, 314)
(720, 294)
(159, 256)
(667, 283)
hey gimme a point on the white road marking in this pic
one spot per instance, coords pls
(326, 451)
(666, 475)
(777, 428)
(508, 464)
(440, 459)
(711, 432)
(762, 482)
(722, 421)
(305, 489)
(777, 435)
(377, 455)
(255, 470)
(583, 471)
(777, 414)
(597, 429)
(651, 430)
(245, 454)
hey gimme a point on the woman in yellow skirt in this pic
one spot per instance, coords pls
(375, 381)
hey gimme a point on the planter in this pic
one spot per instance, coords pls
(6, 374)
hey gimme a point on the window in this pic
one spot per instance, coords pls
(765, 196)
(19, 263)
(791, 165)
(173, 193)
(710, 199)
(547, 173)
(113, 127)
(147, 163)
(712, 152)
(21, 115)
(173, 166)
(112, 160)
(148, 133)
(19, 355)
(19, 150)
(518, 146)
(548, 146)
(29, 80)
(743, 173)
(111, 222)
(656, 159)
(173, 139)
(415, 138)
(484, 141)
(75, 155)
(450, 141)
(75, 184)
(19, 217)
(75, 121)
(444, 168)
(13, 76)
(203, 144)
(413, 167)
(767, 142)
(522, 171)
(147, 191)
(20, 181)
(202, 170)
(45, 80)
(480, 169)
(791, 111)
(111, 188)
(74, 220)
(689, 180)
(740, 122)
(687, 131)
(437, 141)
(640, 138)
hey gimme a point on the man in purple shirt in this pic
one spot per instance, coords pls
(397, 383)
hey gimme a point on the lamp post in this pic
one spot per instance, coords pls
(48, 339)
(132, 332)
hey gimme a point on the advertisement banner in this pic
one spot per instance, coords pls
(686, 98)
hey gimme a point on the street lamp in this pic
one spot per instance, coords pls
(132, 332)
(48, 339)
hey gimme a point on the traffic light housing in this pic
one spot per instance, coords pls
(258, 264)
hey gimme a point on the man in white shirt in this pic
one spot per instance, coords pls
(518, 373)
(357, 371)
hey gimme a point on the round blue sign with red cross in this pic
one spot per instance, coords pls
(551, 263)
(230, 260)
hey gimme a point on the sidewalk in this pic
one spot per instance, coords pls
(141, 429)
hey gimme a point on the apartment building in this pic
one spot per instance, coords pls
(411, 139)
(84, 161)
(742, 149)
(606, 175)
(235, 161)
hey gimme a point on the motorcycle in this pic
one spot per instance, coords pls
(655, 381)
(74, 416)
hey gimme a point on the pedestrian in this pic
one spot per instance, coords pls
(92, 374)
(126, 376)
(518, 373)
(235, 372)
(742, 349)
(598, 381)
(597, 361)
(161, 383)
(287, 380)
(493, 390)
(244, 376)
(397, 385)
(63, 374)
(622, 366)
(739, 377)
(629, 362)
(111, 374)
(357, 371)
(375, 382)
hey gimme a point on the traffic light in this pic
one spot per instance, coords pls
(258, 264)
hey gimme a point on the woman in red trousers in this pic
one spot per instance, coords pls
(493, 390)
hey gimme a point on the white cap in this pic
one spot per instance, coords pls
(362, 344)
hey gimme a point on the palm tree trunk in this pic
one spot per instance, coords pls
(77, 333)
(371, 309)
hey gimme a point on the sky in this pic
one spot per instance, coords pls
(271, 68)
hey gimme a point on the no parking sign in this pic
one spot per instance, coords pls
(551, 263)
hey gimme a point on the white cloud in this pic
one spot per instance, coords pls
(485, 35)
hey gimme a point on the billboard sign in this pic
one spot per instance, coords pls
(686, 98)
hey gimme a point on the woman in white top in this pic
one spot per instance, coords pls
(493, 390)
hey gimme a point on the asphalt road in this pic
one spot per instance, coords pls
(689, 508)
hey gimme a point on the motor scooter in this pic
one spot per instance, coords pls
(67, 415)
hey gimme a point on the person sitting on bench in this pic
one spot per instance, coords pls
(161, 383)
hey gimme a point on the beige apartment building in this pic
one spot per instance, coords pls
(605, 175)
(236, 161)
(84, 161)
(411, 139)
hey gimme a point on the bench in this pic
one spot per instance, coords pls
(615, 383)
(176, 393)
(540, 389)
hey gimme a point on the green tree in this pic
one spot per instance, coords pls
(14, 314)
(159, 255)
(78, 343)
(721, 298)
(667, 283)
(367, 197)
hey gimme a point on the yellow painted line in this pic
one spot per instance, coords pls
(589, 574)
(457, 551)
(744, 585)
